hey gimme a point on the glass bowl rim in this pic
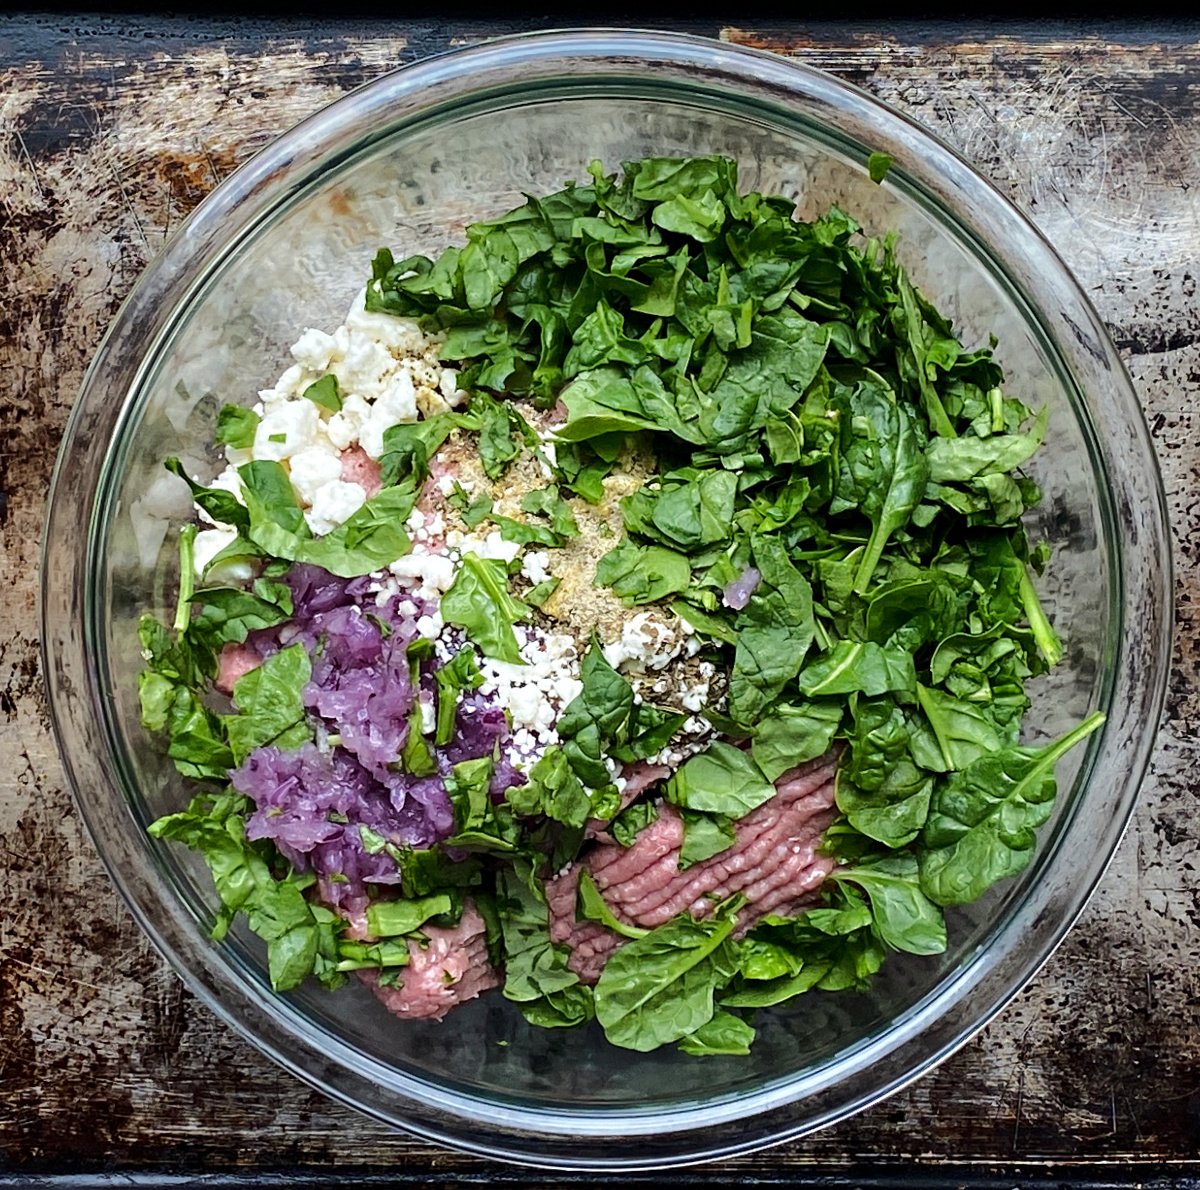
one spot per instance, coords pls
(274, 173)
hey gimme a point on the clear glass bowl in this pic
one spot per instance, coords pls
(408, 161)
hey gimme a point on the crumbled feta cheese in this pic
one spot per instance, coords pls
(495, 547)
(397, 334)
(314, 349)
(646, 643)
(333, 504)
(534, 693)
(535, 566)
(366, 368)
(435, 572)
(448, 387)
(238, 456)
(208, 544)
(288, 385)
(312, 468)
(286, 429)
(428, 715)
(430, 627)
(429, 401)
(344, 427)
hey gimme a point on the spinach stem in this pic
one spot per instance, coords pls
(187, 576)
(1047, 639)
(1062, 746)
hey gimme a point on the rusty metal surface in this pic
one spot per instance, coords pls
(112, 129)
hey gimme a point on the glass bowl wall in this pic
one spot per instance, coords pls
(408, 162)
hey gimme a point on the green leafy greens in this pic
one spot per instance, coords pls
(838, 514)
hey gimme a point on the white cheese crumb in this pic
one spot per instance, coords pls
(207, 545)
(647, 643)
(286, 429)
(432, 571)
(314, 349)
(535, 566)
(534, 693)
(312, 468)
(333, 504)
(428, 716)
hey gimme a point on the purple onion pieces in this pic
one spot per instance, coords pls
(314, 806)
(738, 593)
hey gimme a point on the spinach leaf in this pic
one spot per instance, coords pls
(548, 502)
(479, 601)
(325, 392)
(721, 780)
(660, 988)
(887, 457)
(538, 595)
(647, 732)
(878, 165)
(271, 502)
(602, 401)
(643, 574)
(892, 811)
(982, 826)
(596, 716)
(553, 790)
(956, 460)
(701, 621)
(963, 730)
(691, 509)
(501, 433)
(879, 739)
(481, 825)
(408, 446)
(416, 756)
(199, 743)
(724, 1034)
(704, 835)
(917, 357)
(858, 666)
(270, 704)
(391, 919)
(904, 917)
(460, 673)
(831, 947)
(631, 821)
(700, 218)
(791, 734)
(536, 974)
(773, 633)
(372, 538)
(225, 615)
(236, 427)
(222, 506)
(276, 910)
(593, 907)
(767, 380)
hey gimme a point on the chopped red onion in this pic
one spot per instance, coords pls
(738, 593)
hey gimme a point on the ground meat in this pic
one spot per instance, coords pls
(358, 467)
(234, 662)
(638, 777)
(773, 862)
(450, 968)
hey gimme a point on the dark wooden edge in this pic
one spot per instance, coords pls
(627, 13)
(912, 1176)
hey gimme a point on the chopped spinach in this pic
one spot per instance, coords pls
(838, 515)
